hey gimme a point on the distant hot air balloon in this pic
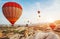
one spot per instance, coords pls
(38, 12)
(26, 25)
(52, 25)
(39, 16)
(28, 21)
(12, 11)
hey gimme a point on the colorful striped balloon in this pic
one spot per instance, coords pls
(12, 11)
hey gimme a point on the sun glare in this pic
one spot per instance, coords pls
(50, 19)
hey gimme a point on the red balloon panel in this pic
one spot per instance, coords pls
(12, 13)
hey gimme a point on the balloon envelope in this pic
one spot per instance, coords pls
(12, 11)
(52, 25)
(38, 12)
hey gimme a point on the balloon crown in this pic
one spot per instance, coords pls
(12, 4)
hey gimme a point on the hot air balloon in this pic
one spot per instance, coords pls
(26, 25)
(52, 25)
(28, 21)
(39, 16)
(12, 11)
(38, 12)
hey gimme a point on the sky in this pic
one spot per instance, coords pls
(49, 11)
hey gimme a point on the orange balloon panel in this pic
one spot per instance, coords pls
(12, 13)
